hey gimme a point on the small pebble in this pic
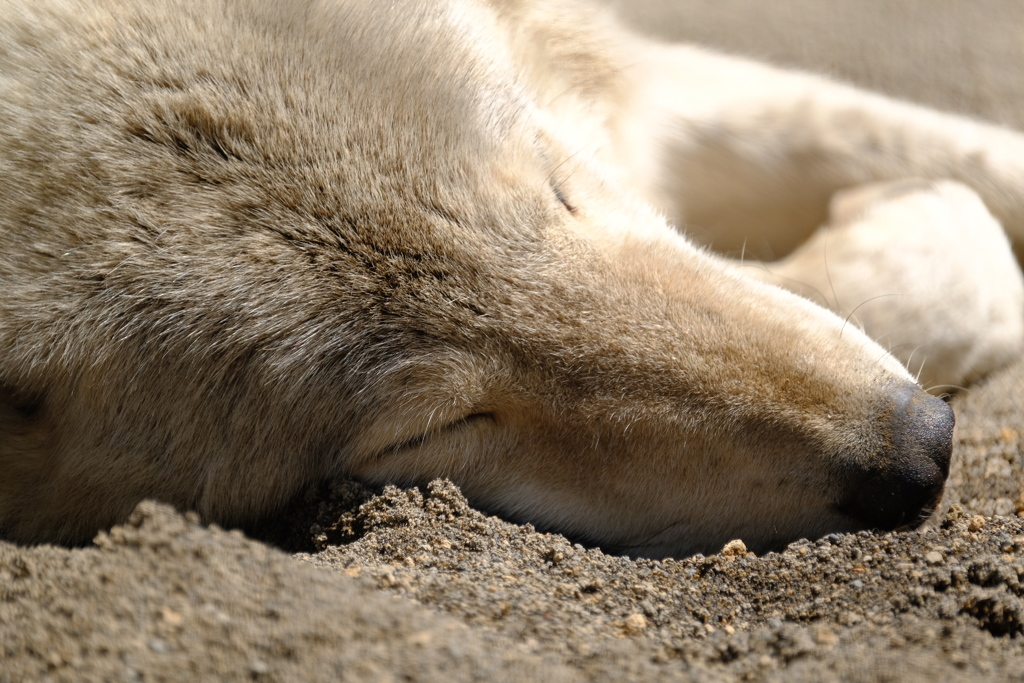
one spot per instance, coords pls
(736, 547)
(157, 645)
(259, 667)
(955, 513)
(635, 623)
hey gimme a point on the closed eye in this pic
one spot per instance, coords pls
(420, 439)
(560, 195)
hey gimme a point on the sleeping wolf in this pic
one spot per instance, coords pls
(246, 246)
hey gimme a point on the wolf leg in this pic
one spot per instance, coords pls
(748, 155)
(924, 269)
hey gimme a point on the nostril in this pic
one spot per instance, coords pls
(902, 481)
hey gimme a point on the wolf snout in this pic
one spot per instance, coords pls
(900, 483)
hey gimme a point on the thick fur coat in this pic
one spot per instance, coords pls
(245, 246)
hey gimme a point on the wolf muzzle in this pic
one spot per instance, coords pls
(901, 483)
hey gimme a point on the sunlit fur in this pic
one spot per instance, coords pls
(245, 246)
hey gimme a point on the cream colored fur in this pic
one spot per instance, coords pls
(248, 245)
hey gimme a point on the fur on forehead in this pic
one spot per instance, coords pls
(420, 37)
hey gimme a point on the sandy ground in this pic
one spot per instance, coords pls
(416, 585)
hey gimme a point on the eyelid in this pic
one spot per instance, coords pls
(555, 188)
(560, 195)
(420, 439)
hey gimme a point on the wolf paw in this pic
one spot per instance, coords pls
(925, 270)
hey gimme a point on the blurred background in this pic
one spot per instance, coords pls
(963, 56)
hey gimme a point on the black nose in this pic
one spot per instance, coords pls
(900, 483)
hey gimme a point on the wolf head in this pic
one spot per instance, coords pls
(249, 246)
